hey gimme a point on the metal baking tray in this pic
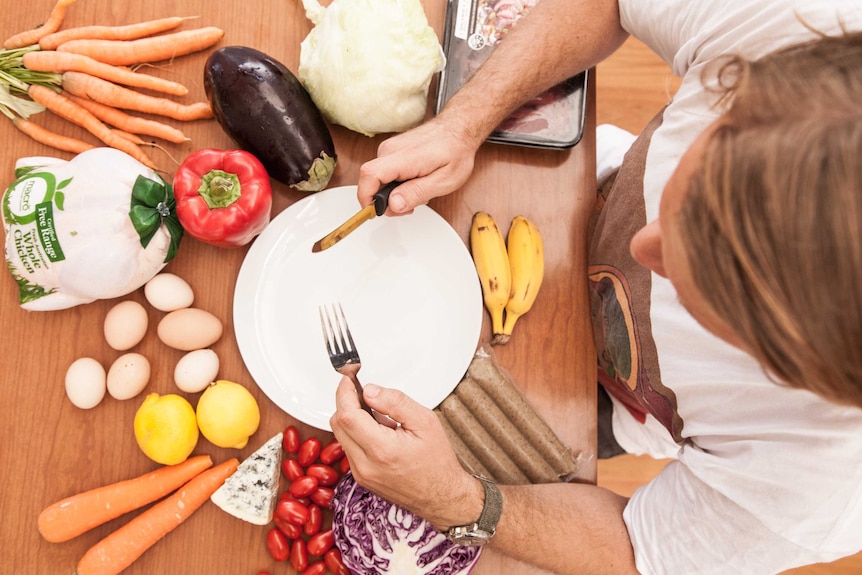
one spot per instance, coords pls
(555, 119)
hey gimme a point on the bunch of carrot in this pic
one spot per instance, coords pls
(83, 75)
(190, 484)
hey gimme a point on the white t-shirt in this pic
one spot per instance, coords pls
(767, 477)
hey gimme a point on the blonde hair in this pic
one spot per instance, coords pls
(773, 216)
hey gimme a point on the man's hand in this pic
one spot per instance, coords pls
(432, 160)
(412, 465)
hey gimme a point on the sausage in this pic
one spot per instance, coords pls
(497, 384)
(465, 456)
(480, 443)
(509, 437)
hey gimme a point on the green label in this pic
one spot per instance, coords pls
(47, 231)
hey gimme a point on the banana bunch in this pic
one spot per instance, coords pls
(510, 275)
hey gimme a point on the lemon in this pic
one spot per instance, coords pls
(166, 428)
(227, 414)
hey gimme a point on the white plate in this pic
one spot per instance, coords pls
(409, 291)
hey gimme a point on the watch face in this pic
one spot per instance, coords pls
(472, 540)
(469, 537)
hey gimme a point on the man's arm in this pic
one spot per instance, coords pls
(554, 41)
(563, 527)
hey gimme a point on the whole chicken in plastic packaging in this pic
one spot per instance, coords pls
(98, 226)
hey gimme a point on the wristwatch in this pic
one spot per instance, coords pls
(483, 529)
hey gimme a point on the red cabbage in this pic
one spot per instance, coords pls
(375, 536)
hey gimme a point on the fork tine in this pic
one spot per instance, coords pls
(337, 331)
(344, 330)
(340, 346)
(326, 328)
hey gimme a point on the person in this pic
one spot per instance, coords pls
(733, 225)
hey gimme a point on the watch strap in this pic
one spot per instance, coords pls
(492, 508)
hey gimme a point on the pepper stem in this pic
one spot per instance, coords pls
(219, 189)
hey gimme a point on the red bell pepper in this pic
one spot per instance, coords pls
(223, 197)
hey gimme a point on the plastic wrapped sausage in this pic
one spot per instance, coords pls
(480, 443)
(508, 436)
(497, 384)
(465, 456)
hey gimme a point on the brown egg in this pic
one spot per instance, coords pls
(128, 376)
(125, 325)
(189, 328)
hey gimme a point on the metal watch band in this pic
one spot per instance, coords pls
(493, 507)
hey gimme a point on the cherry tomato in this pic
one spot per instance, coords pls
(333, 561)
(263, 573)
(315, 520)
(290, 439)
(323, 496)
(303, 486)
(344, 465)
(299, 555)
(286, 495)
(292, 511)
(277, 544)
(326, 475)
(331, 453)
(290, 530)
(292, 469)
(308, 451)
(316, 568)
(321, 543)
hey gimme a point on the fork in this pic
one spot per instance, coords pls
(342, 351)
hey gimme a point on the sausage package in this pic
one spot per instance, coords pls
(496, 433)
(554, 119)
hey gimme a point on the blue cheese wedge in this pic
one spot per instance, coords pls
(252, 491)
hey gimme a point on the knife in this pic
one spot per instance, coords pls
(378, 208)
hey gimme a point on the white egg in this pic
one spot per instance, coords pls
(128, 376)
(126, 325)
(85, 383)
(196, 370)
(168, 292)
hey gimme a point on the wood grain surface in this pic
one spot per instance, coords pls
(51, 449)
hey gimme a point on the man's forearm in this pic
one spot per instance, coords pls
(556, 40)
(565, 528)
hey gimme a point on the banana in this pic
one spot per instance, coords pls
(527, 264)
(492, 265)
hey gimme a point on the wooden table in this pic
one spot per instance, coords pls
(51, 449)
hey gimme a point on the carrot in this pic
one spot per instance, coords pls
(129, 123)
(49, 138)
(79, 513)
(110, 94)
(134, 138)
(122, 547)
(152, 49)
(127, 32)
(69, 110)
(51, 61)
(51, 25)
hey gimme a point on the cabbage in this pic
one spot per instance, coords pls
(375, 536)
(368, 63)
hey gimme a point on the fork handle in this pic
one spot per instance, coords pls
(352, 374)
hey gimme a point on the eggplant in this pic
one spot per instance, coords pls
(265, 109)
